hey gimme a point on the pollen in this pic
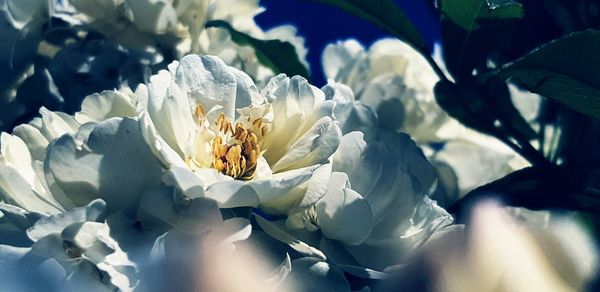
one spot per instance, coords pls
(237, 157)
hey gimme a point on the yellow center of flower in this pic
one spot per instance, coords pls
(235, 150)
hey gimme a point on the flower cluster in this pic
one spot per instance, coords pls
(68, 49)
(199, 163)
(396, 82)
(166, 156)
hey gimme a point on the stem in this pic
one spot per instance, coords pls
(438, 71)
(526, 146)
(525, 150)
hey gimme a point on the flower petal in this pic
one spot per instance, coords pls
(342, 213)
(313, 274)
(54, 224)
(114, 163)
(171, 112)
(314, 147)
(232, 194)
(210, 82)
(280, 234)
(105, 105)
(191, 216)
(274, 190)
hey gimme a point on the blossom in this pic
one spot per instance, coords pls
(200, 139)
(368, 210)
(514, 249)
(397, 83)
(187, 117)
(102, 45)
(80, 244)
(166, 157)
(178, 28)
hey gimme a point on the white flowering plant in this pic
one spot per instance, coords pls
(176, 145)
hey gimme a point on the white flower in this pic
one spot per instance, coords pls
(368, 211)
(394, 80)
(397, 83)
(87, 255)
(198, 249)
(210, 125)
(528, 251)
(178, 28)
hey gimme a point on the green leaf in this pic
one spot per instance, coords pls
(469, 13)
(385, 14)
(279, 56)
(565, 70)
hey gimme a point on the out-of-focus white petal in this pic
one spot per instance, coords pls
(501, 254)
(312, 274)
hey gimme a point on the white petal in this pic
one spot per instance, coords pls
(15, 153)
(342, 213)
(171, 112)
(232, 230)
(184, 180)
(316, 185)
(313, 274)
(280, 234)
(232, 194)
(115, 164)
(22, 12)
(297, 106)
(56, 223)
(163, 152)
(152, 16)
(275, 190)
(191, 216)
(208, 81)
(314, 147)
(107, 104)
(16, 190)
(53, 125)
(18, 266)
(336, 57)
(364, 171)
(36, 142)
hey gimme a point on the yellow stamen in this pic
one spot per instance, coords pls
(200, 113)
(237, 158)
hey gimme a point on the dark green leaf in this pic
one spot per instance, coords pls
(465, 50)
(565, 70)
(469, 13)
(385, 14)
(498, 98)
(464, 102)
(280, 56)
